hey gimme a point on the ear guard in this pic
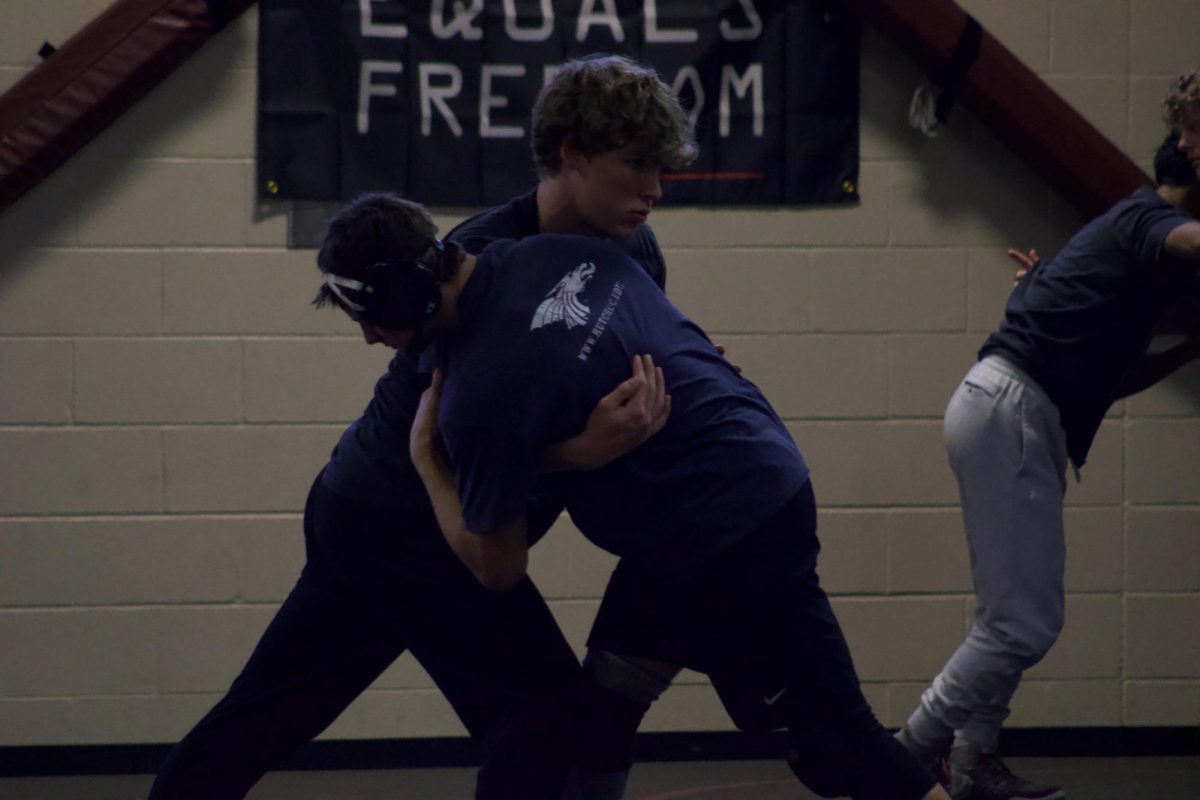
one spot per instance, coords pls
(394, 293)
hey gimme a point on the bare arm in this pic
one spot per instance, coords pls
(1184, 241)
(1154, 367)
(623, 419)
(498, 558)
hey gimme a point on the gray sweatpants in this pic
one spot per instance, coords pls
(1008, 451)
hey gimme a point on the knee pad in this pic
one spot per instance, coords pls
(624, 678)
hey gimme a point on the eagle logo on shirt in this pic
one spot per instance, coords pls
(562, 303)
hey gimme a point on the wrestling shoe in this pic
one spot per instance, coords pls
(976, 775)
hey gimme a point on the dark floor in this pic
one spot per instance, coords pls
(1084, 779)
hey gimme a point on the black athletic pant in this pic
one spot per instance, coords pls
(757, 622)
(378, 582)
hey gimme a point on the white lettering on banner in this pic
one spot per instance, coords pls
(461, 24)
(464, 14)
(436, 95)
(369, 28)
(519, 34)
(368, 89)
(488, 101)
(656, 35)
(588, 17)
(753, 79)
(690, 75)
(441, 83)
(733, 34)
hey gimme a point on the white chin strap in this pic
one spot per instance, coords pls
(336, 283)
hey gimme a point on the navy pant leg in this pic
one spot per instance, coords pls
(498, 657)
(758, 623)
(378, 582)
(503, 664)
(316, 656)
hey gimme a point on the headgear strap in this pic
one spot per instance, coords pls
(336, 282)
(415, 279)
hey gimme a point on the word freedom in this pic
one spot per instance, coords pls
(440, 84)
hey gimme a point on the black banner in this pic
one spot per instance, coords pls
(432, 99)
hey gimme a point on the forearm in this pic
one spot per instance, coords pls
(555, 458)
(498, 559)
(1154, 367)
(577, 453)
(1184, 241)
(443, 495)
(623, 419)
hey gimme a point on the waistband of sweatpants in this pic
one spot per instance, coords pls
(1011, 370)
(1007, 368)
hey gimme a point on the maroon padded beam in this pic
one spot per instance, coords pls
(116, 59)
(1027, 115)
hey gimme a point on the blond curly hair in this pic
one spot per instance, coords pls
(603, 102)
(1184, 92)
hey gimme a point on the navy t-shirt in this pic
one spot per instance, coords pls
(518, 219)
(531, 358)
(370, 462)
(1078, 324)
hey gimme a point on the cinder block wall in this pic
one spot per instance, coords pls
(167, 394)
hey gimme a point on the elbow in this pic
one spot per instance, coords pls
(501, 571)
(498, 559)
(499, 578)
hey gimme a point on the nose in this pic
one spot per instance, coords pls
(652, 188)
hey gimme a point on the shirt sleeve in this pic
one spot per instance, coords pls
(474, 233)
(493, 449)
(1145, 230)
(474, 242)
(496, 472)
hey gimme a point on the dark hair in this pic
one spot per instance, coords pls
(603, 102)
(371, 228)
(1171, 165)
(374, 228)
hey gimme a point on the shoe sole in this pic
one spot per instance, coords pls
(1059, 795)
